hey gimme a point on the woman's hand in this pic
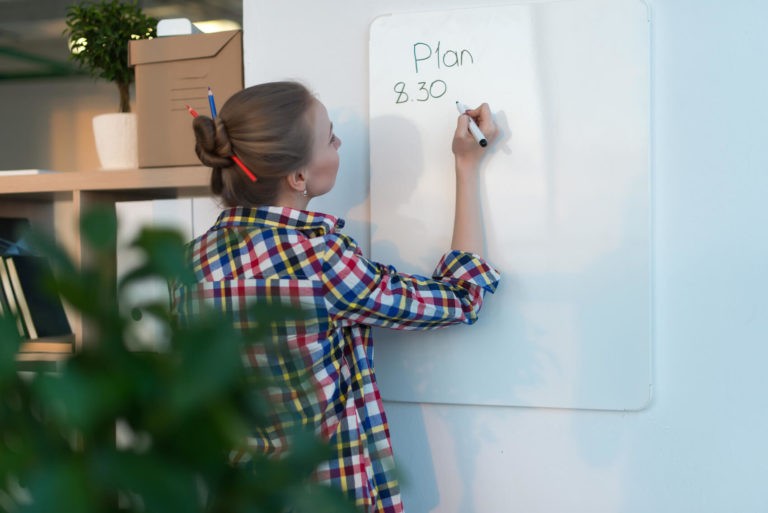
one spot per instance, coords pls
(466, 149)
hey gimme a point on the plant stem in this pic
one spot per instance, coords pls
(125, 96)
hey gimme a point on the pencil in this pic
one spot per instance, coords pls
(212, 103)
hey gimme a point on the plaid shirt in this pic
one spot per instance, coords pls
(300, 258)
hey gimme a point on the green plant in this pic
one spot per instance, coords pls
(186, 406)
(99, 33)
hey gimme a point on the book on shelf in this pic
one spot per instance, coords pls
(12, 231)
(41, 310)
(21, 298)
(5, 308)
(9, 298)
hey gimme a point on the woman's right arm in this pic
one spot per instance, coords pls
(366, 292)
(467, 224)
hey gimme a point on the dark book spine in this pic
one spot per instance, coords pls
(45, 308)
(21, 299)
(5, 282)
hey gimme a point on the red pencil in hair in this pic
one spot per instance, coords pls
(244, 168)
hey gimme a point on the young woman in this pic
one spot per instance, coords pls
(272, 149)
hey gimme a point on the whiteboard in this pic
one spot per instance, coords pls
(566, 199)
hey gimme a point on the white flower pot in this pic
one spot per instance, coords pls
(116, 140)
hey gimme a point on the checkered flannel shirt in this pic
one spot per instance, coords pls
(328, 384)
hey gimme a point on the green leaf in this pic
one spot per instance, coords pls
(10, 341)
(314, 498)
(60, 486)
(159, 485)
(98, 228)
(165, 257)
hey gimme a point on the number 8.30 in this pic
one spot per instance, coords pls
(423, 92)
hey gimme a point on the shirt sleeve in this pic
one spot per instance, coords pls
(361, 291)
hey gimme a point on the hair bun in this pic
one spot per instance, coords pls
(212, 144)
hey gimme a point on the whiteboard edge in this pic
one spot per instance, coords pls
(646, 403)
(647, 6)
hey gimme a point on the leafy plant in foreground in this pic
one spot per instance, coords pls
(181, 410)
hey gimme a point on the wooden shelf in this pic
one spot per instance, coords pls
(45, 354)
(59, 345)
(149, 180)
(41, 362)
(55, 200)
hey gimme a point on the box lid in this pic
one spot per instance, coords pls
(176, 48)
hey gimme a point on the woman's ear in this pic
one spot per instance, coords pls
(297, 180)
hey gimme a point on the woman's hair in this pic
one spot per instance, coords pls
(267, 127)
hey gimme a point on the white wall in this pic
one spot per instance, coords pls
(700, 446)
(46, 124)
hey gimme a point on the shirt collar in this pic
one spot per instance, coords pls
(280, 217)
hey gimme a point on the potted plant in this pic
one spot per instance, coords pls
(98, 34)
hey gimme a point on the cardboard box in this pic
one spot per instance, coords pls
(175, 71)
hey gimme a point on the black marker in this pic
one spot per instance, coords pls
(473, 128)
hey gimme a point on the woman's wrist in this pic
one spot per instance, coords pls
(466, 167)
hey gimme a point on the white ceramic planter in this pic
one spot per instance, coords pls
(116, 140)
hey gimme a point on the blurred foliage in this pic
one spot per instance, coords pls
(184, 407)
